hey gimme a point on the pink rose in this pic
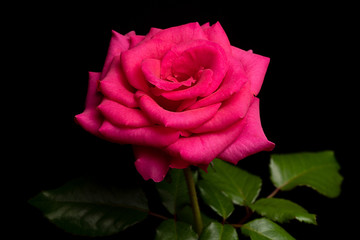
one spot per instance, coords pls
(181, 96)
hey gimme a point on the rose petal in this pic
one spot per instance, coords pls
(178, 163)
(216, 33)
(91, 119)
(118, 44)
(121, 115)
(182, 33)
(233, 81)
(165, 103)
(135, 40)
(231, 111)
(177, 120)
(199, 89)
(201, 149)
(130, 34)
(251, 140)
(152, 32)
(115, 87)
(151, 163)
(255, 67)
(185, 104)
(205, 26)
(146, 136)
(131, 60)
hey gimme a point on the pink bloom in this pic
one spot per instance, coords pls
(181, 96)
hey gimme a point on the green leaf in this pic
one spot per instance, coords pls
(186, 215)
(173, 191)
(213, 197)
(239, 185)
(319, 171)
(264, 229)
(171, 229)
(91, 209)
(217, 231)
(282, 210)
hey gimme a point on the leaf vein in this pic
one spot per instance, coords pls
(306, 171)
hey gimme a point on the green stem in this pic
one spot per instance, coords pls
(193, 200)
(274, 192)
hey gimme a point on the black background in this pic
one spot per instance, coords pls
(307, 100)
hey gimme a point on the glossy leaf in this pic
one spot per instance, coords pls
(173, 191)
(171, 229)
(319, 171)
(213, 197)
(265, 229)
(218, 231)
(240, 186)
(91, 209)
(282, 210)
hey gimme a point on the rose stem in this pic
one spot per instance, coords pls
(193, 200)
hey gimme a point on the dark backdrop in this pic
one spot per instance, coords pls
(307, 99)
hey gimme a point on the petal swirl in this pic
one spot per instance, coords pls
(131, 60)
(151, 69)
(187, 59)
(235, 78)
(199, 89)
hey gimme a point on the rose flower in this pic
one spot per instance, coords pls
(181, 96)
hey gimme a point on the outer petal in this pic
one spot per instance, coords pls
(153, 31)
(216, 33)
(235, 78)
(145, 136)
(251, 140)
(131, 60)
(151, 163)
(205, 25)
(179, 120)
(201, 149)
(115, 87)
(178, 163)
(118, 44)
(182, 33)
(255, 67)
(121, 115)
(230, 112)
(135, 40)
(91, 119)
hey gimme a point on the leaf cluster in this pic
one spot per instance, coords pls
(89, 209)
